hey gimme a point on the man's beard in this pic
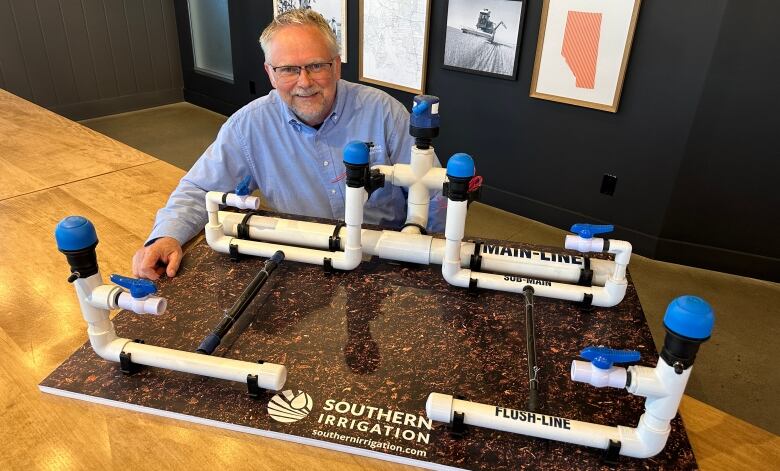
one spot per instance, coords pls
(310, 112)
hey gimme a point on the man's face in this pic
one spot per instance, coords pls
(310, 98)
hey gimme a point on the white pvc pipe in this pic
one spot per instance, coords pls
(620, 248)
(585, 372)
(581, 244)
(415, 248)
(441, 408)
(149, 305)
(96, 299)
(269, 375)
(607, 296)
(640, 442)
(348, 259)
(281, 231)
(420, 177)
(661, 385)
(114, 297)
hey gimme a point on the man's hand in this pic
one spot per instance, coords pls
(161, 256)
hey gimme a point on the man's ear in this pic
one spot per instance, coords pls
(337, 67)
(270, 72)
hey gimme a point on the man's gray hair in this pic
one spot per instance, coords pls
(299, 17)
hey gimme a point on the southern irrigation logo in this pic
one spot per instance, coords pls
(288, 406)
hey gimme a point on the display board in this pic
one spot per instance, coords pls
(363, 350)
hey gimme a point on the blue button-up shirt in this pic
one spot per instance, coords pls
(299, 169)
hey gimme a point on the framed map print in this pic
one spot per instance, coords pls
(334, 12)
(394, 43)
(583, 51)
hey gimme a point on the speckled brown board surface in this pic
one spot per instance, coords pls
(377, 341)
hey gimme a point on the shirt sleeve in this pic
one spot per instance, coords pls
(220, 168)
(399, 149)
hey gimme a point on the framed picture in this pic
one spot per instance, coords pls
(334, 12)
(394, 43)
(483, 37)
(583, 50)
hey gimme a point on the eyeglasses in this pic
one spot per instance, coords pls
(292, 72)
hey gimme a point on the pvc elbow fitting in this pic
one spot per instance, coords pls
(107, 345)
(622, 251)
(610, 294)
(350, 260)
(454, 274)
(585, 372)
(213, 200)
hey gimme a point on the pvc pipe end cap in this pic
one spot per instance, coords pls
(278, 374)
(356, 153)
(438, 407)
(690, 316)
(460, 165)
(75, 233)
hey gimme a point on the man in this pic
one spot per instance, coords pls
(290, 142)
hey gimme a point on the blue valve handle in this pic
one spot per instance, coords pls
(587, 231)
(242, 189)
(604, 358)
(138, 288)
(421, 107)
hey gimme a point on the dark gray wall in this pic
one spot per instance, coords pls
(724, 212)
(690, 143)
(86, 58)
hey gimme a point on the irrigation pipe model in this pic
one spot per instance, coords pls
(467, 264)
(77, 239)
(688, 322)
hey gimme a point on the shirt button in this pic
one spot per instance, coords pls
(325, 163)
(333, 192)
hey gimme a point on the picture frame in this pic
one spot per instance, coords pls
(393, 43)
(583, 50)
(334, 12)
(475, 42)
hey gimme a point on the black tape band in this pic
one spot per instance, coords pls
(587, 301)
(422, 229)
(234, 255)
(476, 259)
(242, 230)
(472, 284)
(586, 274)
(612, 453)
(334, 241)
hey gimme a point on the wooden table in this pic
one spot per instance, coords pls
(51, 167)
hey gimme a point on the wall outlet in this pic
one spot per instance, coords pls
(608, 183)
